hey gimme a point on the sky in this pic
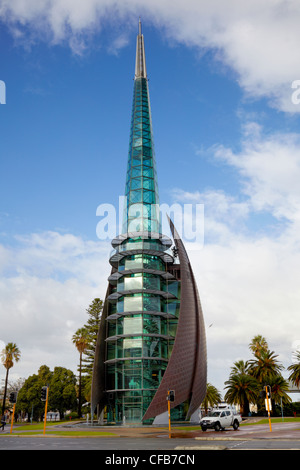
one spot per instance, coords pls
(223, 89)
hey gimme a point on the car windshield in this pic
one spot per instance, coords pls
(214, 413)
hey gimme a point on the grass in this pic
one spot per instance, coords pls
(65, 433)
(273, 420)
(38, 428)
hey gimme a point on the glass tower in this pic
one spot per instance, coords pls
(143, 303)
(142, 306)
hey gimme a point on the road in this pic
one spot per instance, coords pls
(150, 444)
(284, 436)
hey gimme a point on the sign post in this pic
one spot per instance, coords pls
(268, 405)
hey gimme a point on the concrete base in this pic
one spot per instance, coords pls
(161, 420)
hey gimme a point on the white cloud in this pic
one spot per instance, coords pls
(248, 278)
(269, 165)
(48, 282)
(258, 41)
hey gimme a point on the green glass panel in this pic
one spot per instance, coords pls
(132, 347)
(136, 171)
(151, 378)
(112, 328)
(119, 329)
(151, 303)
(131, 283)
(151, 324)
(172, 327)
(148, 172)
(151, 282)
(149, 196)
(135, 196)
(119, 348)
(132, 262)
(151, 347)
(133, 325)
(120, 305)
(111, 350)
(133, 303)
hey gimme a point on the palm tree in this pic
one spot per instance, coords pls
(279, 390)
(212, 397)
(81, 341)
(9, 354)
(265, 366)
(242, 390)
(240, 367)
(258, 344)
(295, 368)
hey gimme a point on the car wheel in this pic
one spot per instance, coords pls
(217, 427)
(204, 428)
(235, 425)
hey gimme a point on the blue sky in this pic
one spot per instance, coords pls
(67, 120)
(226, 135)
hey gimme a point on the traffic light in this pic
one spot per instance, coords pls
(265, 392)
(262, 394)
(171, 395)
(13, 397)
(44, 393)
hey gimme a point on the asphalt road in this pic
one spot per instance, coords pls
(131, 442)
(150, 444)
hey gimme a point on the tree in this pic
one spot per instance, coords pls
(9, 354)
(29, 398)
(92, 326)
(240, 367)
(258, 344)
(242, 389)
(265, 366)
(294, 377)
(62, 392)
(279, 390)
(81, 341)
(212, 397)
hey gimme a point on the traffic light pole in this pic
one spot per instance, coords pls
(12, 419)
(170, 397)
(13, 400)
(46, 406)
(169, 413)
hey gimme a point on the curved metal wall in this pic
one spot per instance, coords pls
(186, 372)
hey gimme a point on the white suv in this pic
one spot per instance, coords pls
(220, 419)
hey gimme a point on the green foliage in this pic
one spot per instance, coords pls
(295, 370)
(62, 394)
(212, 397)
(247, 379)
(242, 389)
(92, 326)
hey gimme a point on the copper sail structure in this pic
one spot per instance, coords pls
(151, 337)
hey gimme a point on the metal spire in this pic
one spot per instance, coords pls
(140, 61)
